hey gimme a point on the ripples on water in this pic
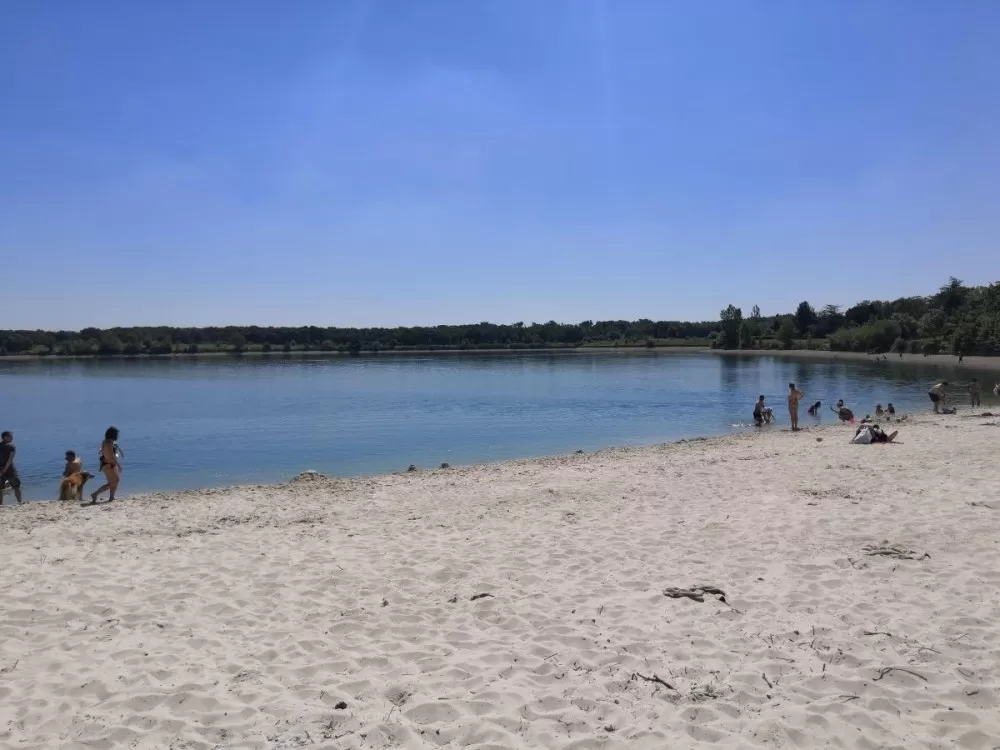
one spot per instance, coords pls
(205, 422)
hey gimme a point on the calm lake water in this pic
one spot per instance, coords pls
(189, 423)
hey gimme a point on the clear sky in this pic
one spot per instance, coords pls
(394, 162)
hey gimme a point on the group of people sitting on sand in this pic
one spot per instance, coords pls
(74, 478)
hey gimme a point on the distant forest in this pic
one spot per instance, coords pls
(957, 319)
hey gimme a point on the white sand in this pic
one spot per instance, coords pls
(242, 618)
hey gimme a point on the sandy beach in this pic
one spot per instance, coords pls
(522, 604)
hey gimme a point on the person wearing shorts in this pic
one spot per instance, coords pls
(8, 471)
(938, 394)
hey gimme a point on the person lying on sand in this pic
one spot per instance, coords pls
(867, 434)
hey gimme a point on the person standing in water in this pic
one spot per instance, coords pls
(758, 412)
(110, 466)
(938, 394)
(974, 392)
(8, 471)
(794, 396)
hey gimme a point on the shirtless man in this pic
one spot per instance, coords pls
(74, 464)
(974, 392)
(938, 395)
(794, 396)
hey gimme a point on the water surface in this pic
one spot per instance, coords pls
(189, 423)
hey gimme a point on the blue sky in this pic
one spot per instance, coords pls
(385, 162)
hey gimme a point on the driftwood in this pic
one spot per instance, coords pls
(655, 678)
(897, 551)
(886, 670)
(696, 593)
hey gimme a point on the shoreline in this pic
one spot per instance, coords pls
(991, 364)
(536, 603)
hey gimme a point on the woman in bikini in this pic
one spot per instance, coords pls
(794, 396)
(110, 465)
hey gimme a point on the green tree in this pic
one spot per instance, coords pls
(908, 325)
(932, 325)
(952, 296)
(805, 317)
(746, 335)
(237, 342)
(963, 339)
(110, 344)
(731, 319)
(786, 333)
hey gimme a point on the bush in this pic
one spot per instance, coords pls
(876, 335)
(930, 347)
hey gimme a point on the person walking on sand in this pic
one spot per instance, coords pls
(110, 465)
(794, 396)
(974, 392)
(938, 394)
(8, 471)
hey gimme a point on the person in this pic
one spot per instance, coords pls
(890, 410)
(758, 412)
(843, 413)
(974, 393)
(794, 396)
(996, 390)
(8, 471)
(879, 411)
(110, 465)
(938, 394)
(814, 409)
(868, 434)
(74, 464)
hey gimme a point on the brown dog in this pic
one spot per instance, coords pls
(71, 487)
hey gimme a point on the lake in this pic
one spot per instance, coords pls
(189, 423)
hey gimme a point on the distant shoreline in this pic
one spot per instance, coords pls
(939, 360)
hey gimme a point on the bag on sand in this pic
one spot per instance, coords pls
(864, 435)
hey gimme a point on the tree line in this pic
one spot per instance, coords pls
(162, 340)
(958, 319)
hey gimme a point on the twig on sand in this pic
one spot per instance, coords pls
(767, 680)
(878, 632)
(849, 698)
(886, 670)
(696, 593)
(655, 678)
(479, 596)
(897, 551)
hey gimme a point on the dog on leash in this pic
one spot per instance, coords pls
(71, 487)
